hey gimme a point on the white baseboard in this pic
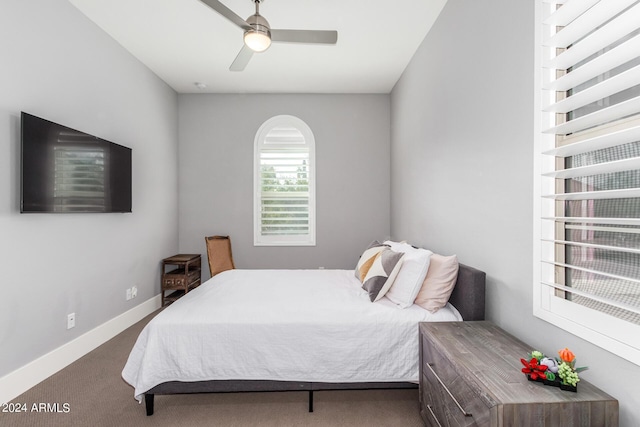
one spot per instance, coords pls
(22, 379)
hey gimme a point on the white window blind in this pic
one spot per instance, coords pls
(588, 191)
(284, 183)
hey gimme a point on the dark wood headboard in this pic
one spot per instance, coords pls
(468, 294)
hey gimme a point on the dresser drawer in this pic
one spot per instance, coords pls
(447, 398)
(177, 279)
(172, 283)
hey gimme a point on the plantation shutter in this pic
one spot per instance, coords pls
(285, 186)
(284, 191)
(591, 167)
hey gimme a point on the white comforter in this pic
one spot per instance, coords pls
(288, 325)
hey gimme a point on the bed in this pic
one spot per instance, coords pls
(287, 330)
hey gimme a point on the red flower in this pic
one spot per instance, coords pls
(534, 369)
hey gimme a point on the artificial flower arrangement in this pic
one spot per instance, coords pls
(559, 371)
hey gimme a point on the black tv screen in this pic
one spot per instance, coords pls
(65, 170)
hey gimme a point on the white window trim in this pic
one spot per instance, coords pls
(263, 131)
(615, 335)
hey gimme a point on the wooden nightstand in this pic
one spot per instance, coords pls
(181, 279)
(470, 376)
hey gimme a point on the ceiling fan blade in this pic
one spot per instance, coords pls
(227, 13)
(304, 36)
(242, 59)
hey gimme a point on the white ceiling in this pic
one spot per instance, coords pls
(185, 41)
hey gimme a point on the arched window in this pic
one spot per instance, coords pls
(284, 183)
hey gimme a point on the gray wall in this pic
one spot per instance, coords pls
(352, 179)
(462, 170)
(58, 65)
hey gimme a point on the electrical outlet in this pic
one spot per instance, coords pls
(71, 320)
(134, 292)
(128, 295)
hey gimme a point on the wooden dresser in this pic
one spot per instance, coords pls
(470, 375)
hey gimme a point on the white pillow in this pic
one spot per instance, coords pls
(396, 246)
(415, 265)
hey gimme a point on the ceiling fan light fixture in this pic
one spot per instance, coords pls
(257, 41)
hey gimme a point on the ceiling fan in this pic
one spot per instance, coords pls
(258, 35)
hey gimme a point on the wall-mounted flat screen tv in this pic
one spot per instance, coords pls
(64, 170)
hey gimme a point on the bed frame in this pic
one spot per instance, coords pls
(468, 297)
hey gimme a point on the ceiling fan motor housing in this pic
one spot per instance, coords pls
(259, 23)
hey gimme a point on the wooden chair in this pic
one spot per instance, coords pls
(219, 254)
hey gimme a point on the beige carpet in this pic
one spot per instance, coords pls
(95, 395)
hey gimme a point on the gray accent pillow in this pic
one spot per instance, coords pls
(382, 273)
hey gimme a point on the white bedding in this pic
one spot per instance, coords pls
(287, 325)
